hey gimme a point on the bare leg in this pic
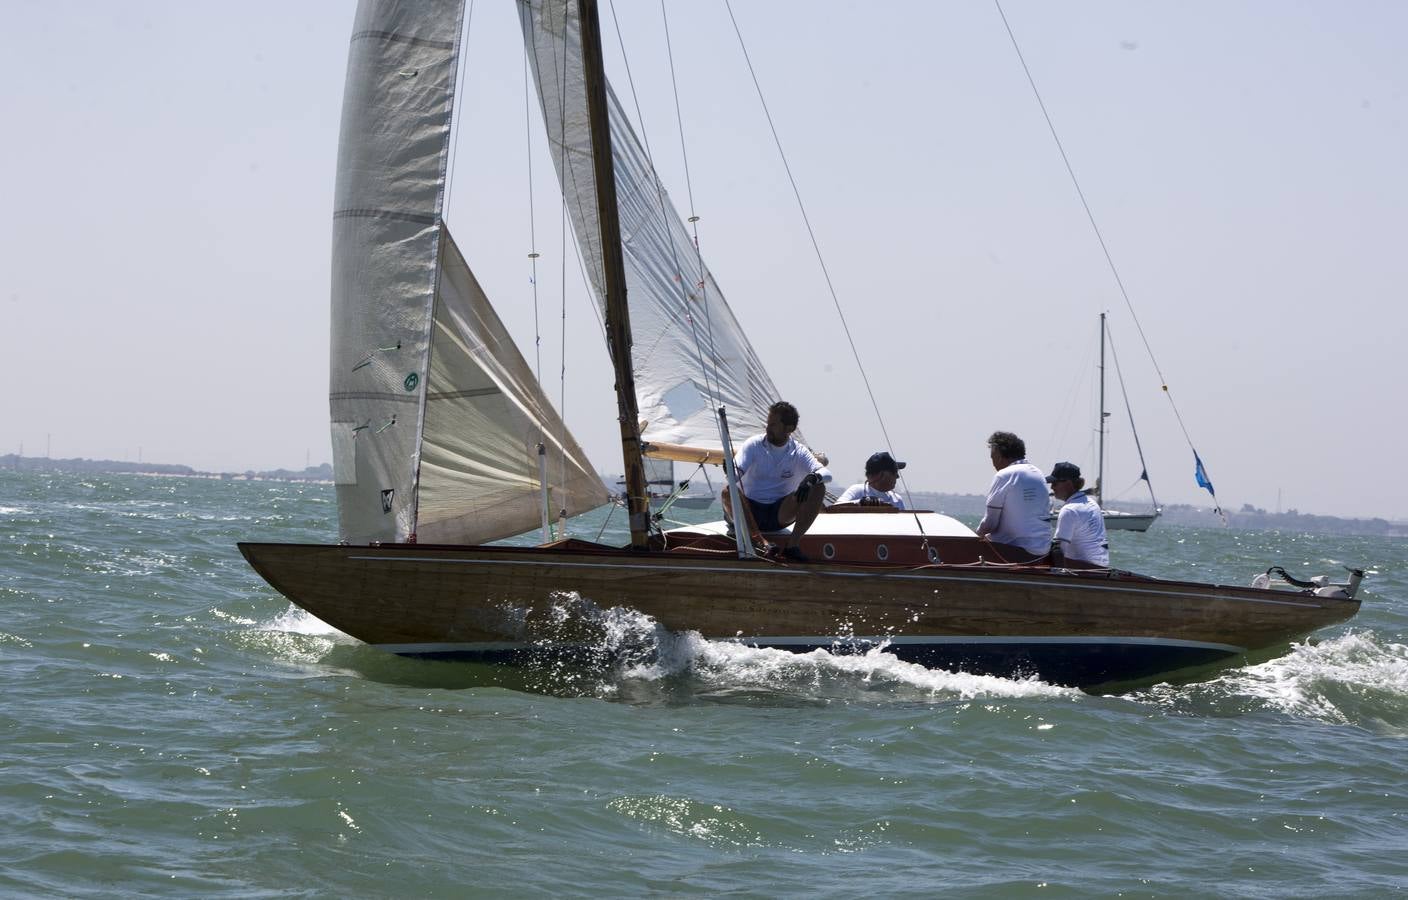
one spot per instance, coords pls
(806, 513)
(747, 512)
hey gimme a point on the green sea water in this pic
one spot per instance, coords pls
(173, 727)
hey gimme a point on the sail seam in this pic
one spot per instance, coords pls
(372, 395)
(401, 39)
(460, 395)
(419, 218)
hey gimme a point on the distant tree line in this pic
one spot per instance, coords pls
(78, 466)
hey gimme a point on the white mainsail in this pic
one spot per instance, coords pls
(688, 351)
(417, 353)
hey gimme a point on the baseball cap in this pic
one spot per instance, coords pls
(882, 462)
(1063, 471)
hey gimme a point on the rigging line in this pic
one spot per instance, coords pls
(568, 173)
(1119, 282)
(459, 86)
(826, 274)
(1129, 411)
(532, 226)
(561, 70)
(559, 84)
(703, 274)
(663, 207)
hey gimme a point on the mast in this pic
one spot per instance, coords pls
(1100, 455)
(618, 323)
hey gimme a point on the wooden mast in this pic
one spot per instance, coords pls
(618, 322)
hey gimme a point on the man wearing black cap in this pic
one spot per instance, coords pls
(1080, 528)
(881, 473)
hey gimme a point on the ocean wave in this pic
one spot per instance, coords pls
(1354, 679)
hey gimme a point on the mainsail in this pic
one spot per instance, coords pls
(688, 351)
(417, 353)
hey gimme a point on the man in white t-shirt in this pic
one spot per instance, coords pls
(781, 480)
(1017, 499)
(1080, 528)
(881, 474)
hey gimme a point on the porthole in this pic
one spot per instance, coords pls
(882, 552)
(828, 551)
(933, 555)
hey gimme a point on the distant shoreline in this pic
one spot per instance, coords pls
(79, 466)
(967, 505)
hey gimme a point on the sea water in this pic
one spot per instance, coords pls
(174, 727)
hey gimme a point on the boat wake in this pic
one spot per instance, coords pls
(619, 653)
(1354, 679)
(722, 670)
(632, 657)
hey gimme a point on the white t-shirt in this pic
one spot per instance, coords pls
(769, 473)
(857, 492)
(1017, 506)
(1080, 530)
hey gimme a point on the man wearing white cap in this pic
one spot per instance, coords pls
(881, 473)
(1080, 528)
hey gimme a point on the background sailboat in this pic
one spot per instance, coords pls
(1120, 520)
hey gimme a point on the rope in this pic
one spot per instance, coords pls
(821, 261)
(703, 275)
(459, 91)
(710, 383)
(811, 233)
(1114, 270)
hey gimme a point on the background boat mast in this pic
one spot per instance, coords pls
(1100, 453)
(618, 323)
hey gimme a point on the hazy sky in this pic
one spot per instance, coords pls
(166, 184)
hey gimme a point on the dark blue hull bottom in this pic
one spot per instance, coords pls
(1076, 662)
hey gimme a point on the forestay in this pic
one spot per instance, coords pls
(688, 351)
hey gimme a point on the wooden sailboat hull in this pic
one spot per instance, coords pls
(511, 604)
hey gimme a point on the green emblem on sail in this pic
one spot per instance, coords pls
(411, 381)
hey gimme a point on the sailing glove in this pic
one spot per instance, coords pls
(806, 486)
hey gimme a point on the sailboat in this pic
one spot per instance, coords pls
(1118, 520)
(444, 443)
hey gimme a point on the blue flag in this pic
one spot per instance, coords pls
(1204, 482)
(1202, 475)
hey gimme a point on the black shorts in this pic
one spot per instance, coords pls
(765, 514)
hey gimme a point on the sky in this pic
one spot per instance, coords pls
(167, 180)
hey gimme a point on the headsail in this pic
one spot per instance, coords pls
(436, 418)
(390, 188)
(688, 351)
(485, 415)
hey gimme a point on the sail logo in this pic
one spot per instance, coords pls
(388, 496)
